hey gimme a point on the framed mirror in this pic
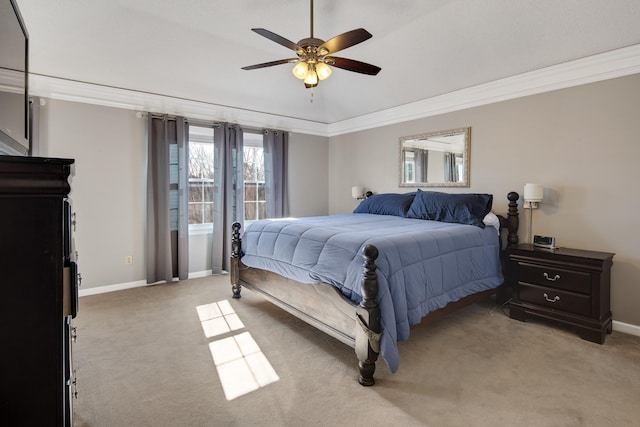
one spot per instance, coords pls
(435, 159)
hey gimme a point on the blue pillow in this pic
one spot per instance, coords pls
(459, 208)
(386, 204)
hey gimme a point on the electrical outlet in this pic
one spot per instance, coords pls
(128, 259)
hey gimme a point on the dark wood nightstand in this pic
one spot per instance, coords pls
(568, 286)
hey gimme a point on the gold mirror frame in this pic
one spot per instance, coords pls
(435, 159)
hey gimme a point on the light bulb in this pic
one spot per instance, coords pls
(311, 78)
(323, 70)
(300, 70)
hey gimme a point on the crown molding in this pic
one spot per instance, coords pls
(604, 66)
(70, 90)
(11, 81)
(608, 65)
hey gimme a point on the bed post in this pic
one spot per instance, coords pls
(368, 327)
(513, 221)
(236, 254)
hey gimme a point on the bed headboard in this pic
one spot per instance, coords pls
(511, 222)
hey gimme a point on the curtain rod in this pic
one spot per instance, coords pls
(196, 122)
(204, 123)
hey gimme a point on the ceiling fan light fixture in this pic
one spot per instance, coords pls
(313, 62)
(301, 70)
(323, 70)
(311, 79)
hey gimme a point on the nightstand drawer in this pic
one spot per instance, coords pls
(555, 299)
(570, 280)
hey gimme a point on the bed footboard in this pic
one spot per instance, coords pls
(367, 327)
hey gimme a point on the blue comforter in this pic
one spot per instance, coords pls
(422, 265)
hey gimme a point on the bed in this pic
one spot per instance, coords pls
(365, 278)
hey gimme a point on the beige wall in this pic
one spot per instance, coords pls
(109, 187)
(582, 144)
(308, 171)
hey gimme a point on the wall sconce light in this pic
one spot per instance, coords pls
(357, 192)
(532, 197)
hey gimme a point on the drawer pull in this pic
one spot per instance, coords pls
(555, 299)
(551, 279)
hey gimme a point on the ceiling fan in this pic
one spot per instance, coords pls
(315, 55)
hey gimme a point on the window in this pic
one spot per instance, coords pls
(409, 162)
(255, 198)
(173, 187)
(201, 177)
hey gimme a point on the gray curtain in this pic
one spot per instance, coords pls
(228, 196)
(275, 144)
(167, 199)
(450, 169)
(422, 164)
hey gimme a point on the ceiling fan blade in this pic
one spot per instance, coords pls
(346, 40)
(353, 65)
(269, 64)
(276, 38)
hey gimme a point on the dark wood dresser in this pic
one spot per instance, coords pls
(39, 292)
(568, 286)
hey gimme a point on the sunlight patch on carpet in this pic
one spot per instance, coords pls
(218, 318)
(241, 365)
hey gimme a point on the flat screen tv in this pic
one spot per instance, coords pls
(14, 90)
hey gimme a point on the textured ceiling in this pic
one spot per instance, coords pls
(194, 49)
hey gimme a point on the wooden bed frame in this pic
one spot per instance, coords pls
(324, 307)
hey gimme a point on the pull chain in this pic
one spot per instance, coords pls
(311, 100)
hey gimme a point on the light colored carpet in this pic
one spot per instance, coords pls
(142, 359)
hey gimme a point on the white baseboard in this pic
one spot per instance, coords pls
(129, 285)
(627, 328)
(200, 274)
(111, 288)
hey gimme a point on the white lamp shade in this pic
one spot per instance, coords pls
(533, 192)
(357, 191)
